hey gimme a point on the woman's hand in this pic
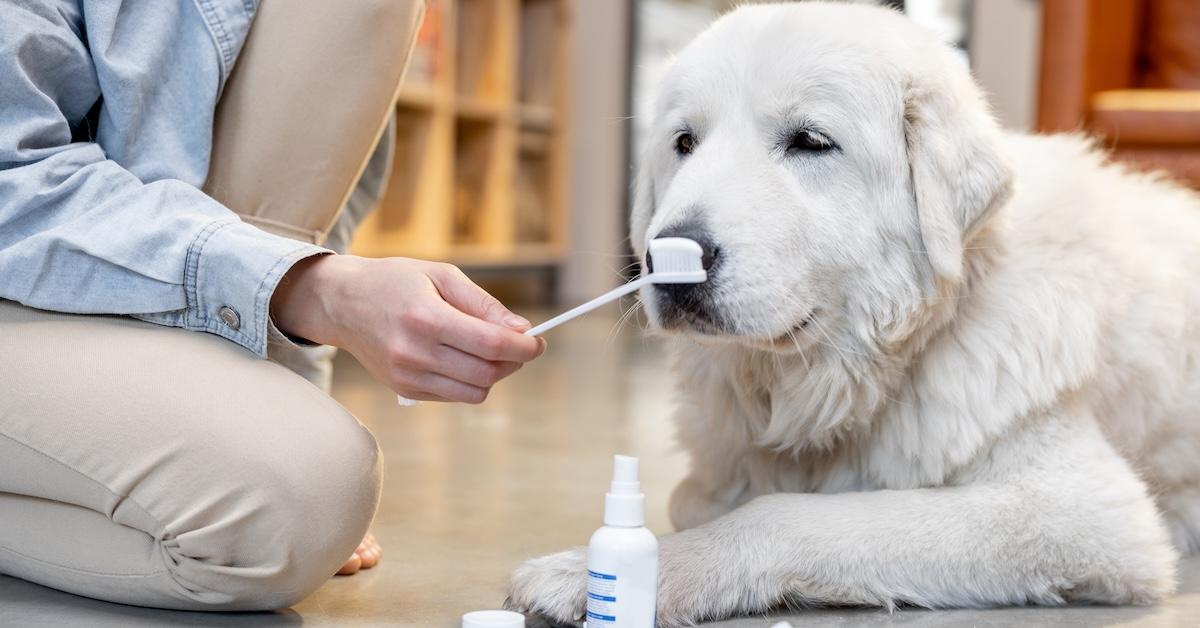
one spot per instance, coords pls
(422, 328)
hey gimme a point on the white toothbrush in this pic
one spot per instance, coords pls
(675, 260)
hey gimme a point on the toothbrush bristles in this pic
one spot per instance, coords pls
(677, 264)
(677, 260)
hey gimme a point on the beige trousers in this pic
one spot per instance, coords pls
(161, 467)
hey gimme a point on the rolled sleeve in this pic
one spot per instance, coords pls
(231, 271)
(106, 117)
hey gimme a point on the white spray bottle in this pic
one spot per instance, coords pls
(622, 557)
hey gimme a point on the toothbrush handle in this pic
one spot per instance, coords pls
(611, 295)
(616, 293)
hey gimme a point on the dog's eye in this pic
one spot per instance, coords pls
(806, 141)
(685, 143)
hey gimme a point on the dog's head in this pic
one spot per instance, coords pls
(832, 160)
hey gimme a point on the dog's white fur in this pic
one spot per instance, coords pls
(951, 366)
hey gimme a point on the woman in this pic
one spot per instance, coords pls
(142, 462)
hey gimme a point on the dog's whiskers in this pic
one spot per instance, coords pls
(796, 343)
(620, 324)
(841, 351)
(778, 362)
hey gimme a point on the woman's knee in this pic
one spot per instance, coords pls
(252, 482)
(289, 510)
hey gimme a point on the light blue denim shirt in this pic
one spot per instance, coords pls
(106, 114)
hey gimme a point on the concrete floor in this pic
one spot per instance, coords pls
(471, 491)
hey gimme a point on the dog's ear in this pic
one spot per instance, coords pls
(959, 175)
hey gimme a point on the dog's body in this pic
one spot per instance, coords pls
(935, 363)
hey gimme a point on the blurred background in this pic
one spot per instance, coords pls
(519, 123)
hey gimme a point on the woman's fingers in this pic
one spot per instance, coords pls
(423, 328)
(426, 370)
(470, 369)
(457, 376)
(458, 290)
(433, 386)
(487, 340)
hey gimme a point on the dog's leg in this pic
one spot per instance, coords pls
(1053, 515)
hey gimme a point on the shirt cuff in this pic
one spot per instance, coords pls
(277, 338)
(232, 270)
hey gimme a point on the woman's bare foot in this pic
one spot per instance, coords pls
(365, 557)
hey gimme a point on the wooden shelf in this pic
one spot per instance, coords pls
(479, 109)
(479, 172)
(478, 256)
(534, 142)
(519, 256)
(477, 182)
(418, 97)
(540, 52)
(537, 117)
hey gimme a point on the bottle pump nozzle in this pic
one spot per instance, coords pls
(625, 504)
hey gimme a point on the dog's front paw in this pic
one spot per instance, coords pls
(554, 587)
(682, 584)
(699, 580)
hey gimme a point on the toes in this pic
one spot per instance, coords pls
(352, 566)
(369, 552)
(365, 556)
(370, 557)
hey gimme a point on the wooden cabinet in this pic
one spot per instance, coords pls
(480, 166)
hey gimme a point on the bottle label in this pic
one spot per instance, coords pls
(601, 600)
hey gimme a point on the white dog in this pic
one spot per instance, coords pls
(934, 364)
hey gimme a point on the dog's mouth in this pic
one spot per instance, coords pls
(794, 339)
(701, 324)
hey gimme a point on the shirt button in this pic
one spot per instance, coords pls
(230, 317)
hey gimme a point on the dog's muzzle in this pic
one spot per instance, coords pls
(690, 303)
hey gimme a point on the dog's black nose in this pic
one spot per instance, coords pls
(697, 232)
(680, 302)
